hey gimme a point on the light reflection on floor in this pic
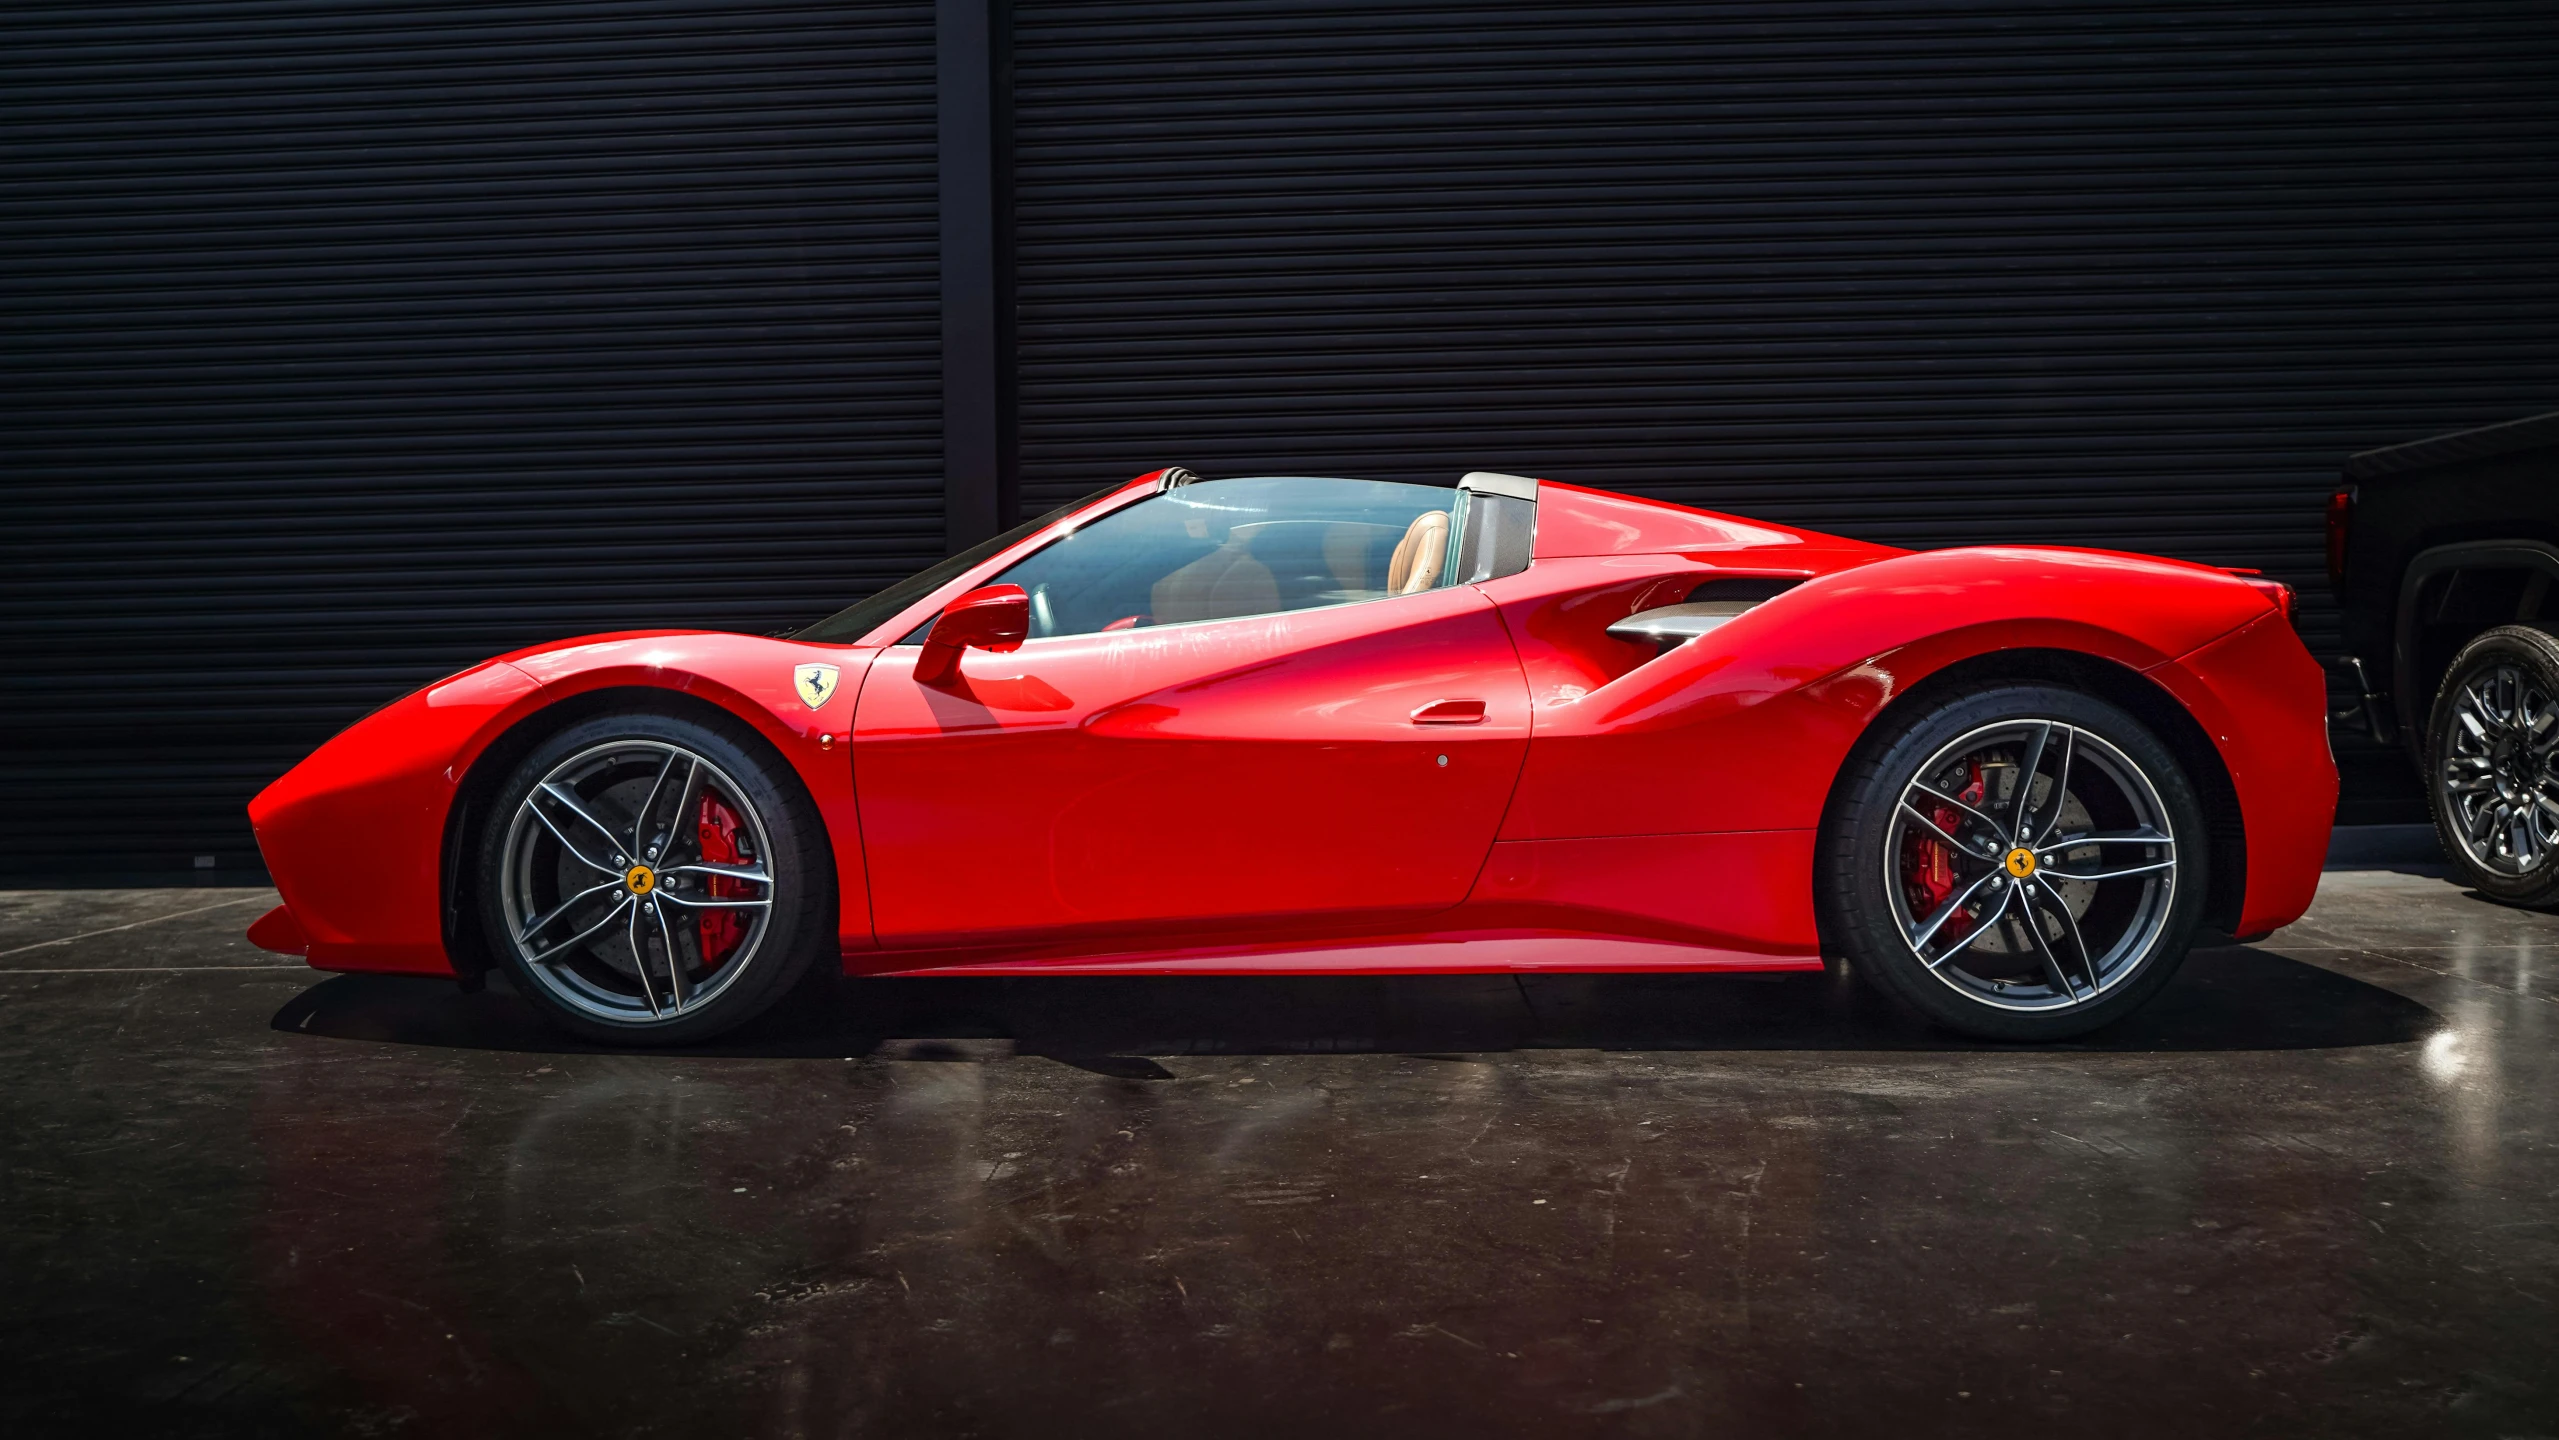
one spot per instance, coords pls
(2313, 1189)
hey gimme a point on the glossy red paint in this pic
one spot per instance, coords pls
(2262, 700)
(1438, 951)
(355, 834)
(1744, 892)
(1267, 794)
(278, 931)
(1745, 731)
(352, 835)
(995, 618)
(1268, 768)
(1574, 521)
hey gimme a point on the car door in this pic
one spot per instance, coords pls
(1179, 768)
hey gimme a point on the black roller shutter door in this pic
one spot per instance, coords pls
(350, 343)
(2127, 276)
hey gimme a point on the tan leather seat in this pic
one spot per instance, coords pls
(1348, 554)
(1226, 581)
(1419, 554)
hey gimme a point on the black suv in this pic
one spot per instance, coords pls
(2445, 558)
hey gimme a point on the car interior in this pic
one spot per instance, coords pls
(1221, 550)
(1277, 565)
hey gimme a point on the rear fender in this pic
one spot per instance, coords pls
(2263, 701)
(1745, 728)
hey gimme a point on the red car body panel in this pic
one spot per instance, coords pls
(1269, 766)
(2248, 690)
(750, 677)
(352, 835)
(1266, 794)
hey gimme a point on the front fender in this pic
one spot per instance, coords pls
(353, 835)
(750, 677)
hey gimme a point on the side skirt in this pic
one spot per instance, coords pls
(1463, 954)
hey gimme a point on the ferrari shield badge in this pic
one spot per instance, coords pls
(816, 683)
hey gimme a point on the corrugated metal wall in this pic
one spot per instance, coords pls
(347, 344)
(2137, 276)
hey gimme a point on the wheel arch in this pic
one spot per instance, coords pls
(2470, 587)
(496, 759)
(2118, 684)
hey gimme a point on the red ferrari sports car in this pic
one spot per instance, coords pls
(1288, 725)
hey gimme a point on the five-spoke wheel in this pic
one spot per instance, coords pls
(2019, 864)
(640, 879)
(2032, 864)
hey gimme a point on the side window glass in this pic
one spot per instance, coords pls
(1219, 549)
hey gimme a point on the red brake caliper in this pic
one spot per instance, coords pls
(1930, 869)
(718, 831)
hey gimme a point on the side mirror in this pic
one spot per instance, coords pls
(997, 618)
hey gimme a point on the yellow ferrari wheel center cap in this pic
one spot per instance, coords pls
(2021, 862)
(642, 879)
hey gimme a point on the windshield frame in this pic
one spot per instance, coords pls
(856, 623)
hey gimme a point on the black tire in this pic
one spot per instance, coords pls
(1884, 873)
(712, 793)
(2492, 783)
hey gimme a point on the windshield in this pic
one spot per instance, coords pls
(848, 625)
(1223, 549)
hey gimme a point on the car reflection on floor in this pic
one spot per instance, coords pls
(2301, 1189)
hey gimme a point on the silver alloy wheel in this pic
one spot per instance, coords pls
(2031, 865)
(637, 884)
(2497, 776)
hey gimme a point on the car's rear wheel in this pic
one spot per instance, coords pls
(2492, 750)
(651, 880)
(2025, 863)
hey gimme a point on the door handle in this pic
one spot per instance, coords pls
(1450, 712)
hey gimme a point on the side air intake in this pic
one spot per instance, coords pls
(1713, 604)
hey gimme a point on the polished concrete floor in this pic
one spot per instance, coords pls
(2313, 1190)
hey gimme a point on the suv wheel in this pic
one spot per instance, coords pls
(2492, 753)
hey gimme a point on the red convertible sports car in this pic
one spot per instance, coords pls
(1299, 726)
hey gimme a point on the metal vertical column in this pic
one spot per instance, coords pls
(974, 422)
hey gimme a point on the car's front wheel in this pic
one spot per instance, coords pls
(2492, 750)
(651, 880)
(2025, 863)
